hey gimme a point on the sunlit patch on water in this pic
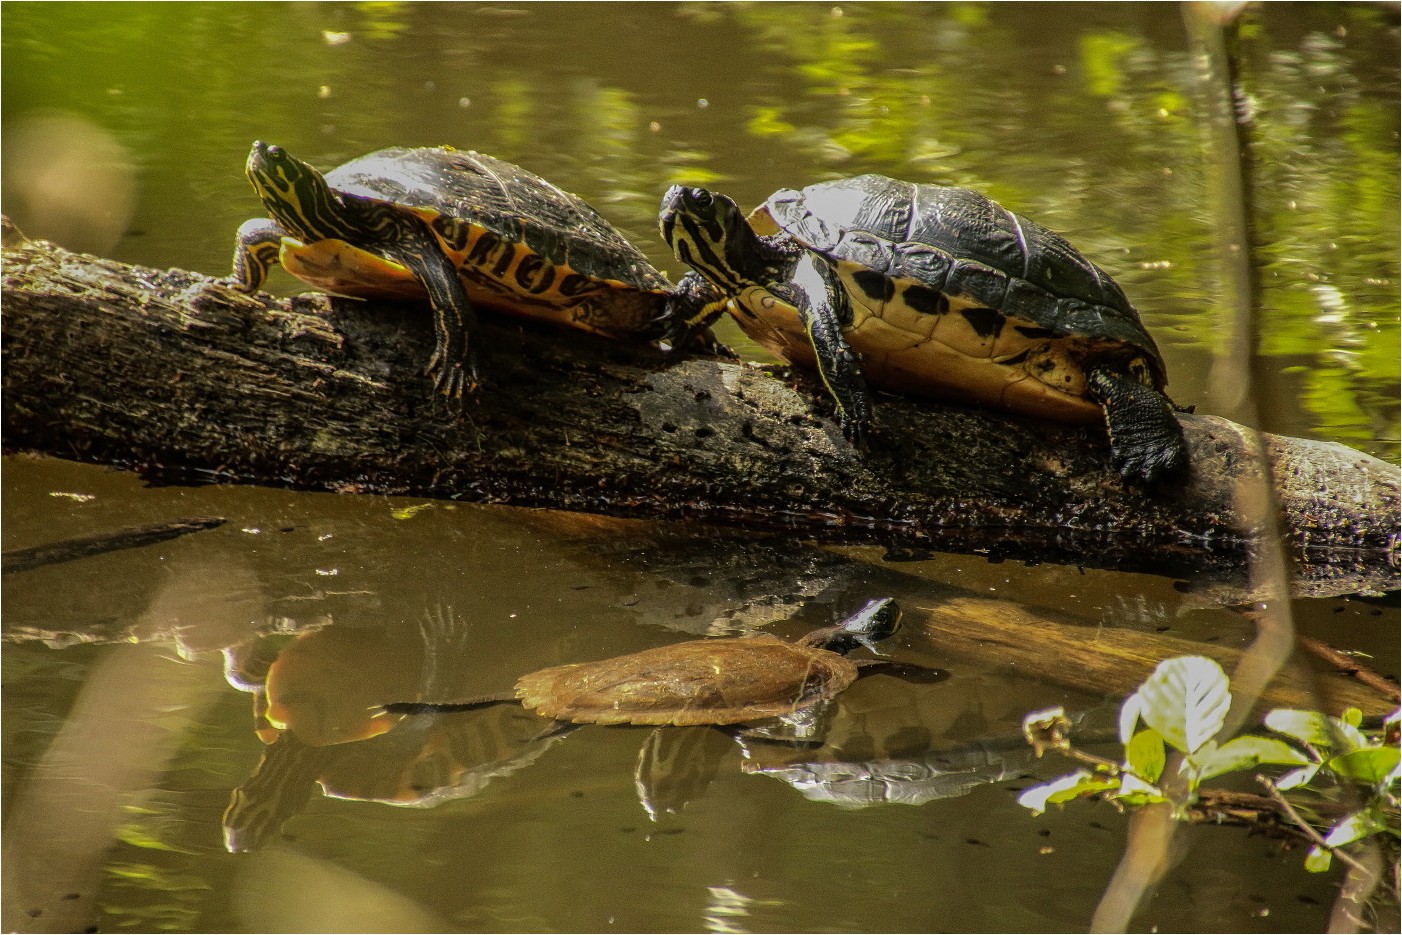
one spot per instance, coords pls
(726, 909)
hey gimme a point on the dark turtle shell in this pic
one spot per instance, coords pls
(521, 245)
(716, 681)
(958, 242)
(516, 206)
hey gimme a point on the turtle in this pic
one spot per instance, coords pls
(930, 290)
(702, 682)
(462, 229)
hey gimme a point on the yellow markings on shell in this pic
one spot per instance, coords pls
(942, 355)
(497, 272)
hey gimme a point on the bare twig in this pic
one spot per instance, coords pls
(1318, 839)
(1347, 665)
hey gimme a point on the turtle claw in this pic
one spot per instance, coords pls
(453, 380)
(855, 431)
(1151, 464)
(855, 422)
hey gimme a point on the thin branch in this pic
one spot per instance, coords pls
(1347, 665)
(1310, 832)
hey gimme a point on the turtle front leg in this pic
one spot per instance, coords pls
(815, 291)
(256, 250)
(453, 366)
(692, 308)
(1145, 438)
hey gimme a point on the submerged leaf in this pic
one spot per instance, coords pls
(1186, 701)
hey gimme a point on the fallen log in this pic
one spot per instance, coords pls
(183, 379)
(1113, 661)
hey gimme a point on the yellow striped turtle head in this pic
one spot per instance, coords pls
(297, 196)
(708, 232)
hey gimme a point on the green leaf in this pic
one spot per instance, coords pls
(1371, 765)
(1246, 753)
(1135, 791)
(1186, 701)
(1355, 827)
(1144, 755)
(1071, 786)
(1315, 729)
(1352, 717)
(1318, 860)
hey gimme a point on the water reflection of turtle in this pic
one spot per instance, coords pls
(703, 682)
(418, 765)
(312, 700)
(760, 687)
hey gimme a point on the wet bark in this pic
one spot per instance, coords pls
(183, 379)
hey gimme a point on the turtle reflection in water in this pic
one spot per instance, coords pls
(721, 683)
(702, 682)
(311, 706)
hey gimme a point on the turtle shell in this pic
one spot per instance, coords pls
(952, 292)
(526, 247)
(719, 681)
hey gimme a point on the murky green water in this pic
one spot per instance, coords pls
(126, 127)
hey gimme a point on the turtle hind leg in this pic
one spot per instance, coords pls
(1145, 438)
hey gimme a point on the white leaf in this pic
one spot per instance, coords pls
(1358, 825)
(1186, 701)
(1129, 716)
(1297, 777)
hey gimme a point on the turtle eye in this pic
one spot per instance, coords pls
(703, 198)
